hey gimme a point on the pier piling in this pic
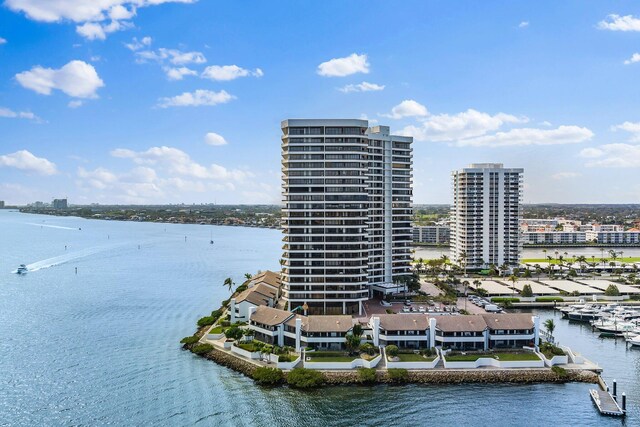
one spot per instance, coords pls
(615, 390)
(624, 403)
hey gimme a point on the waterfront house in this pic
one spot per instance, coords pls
(402, 330)
(267, 324)
(279, 327)
(461, 332)
(262, 289)
(512, 330)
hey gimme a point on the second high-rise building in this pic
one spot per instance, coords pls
(347, 213)
(485, 216)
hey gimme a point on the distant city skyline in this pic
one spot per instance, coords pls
(180, 101)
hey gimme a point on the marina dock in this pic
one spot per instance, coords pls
(606, 402)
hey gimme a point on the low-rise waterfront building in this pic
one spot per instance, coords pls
(431, 234)
(262, 289)
(414, 331)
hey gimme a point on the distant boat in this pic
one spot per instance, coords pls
(635, 341)
(22, 269)
(211, 241)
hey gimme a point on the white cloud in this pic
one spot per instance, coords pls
(340, 67)
(523, 24)
(632, 128)
(468, 124)
(10, 114)
(26, 161)
(98, 31)
(2, 41)
(565, 175)
(407, 108)
(620, 23)
(75, 103)
(174, 56)
(177, 162)
(613, 156)
(178, 73)
(200, 97)
(228, 72)
(214, 139)
(76, 78)
(137, 45)
(530, 136)
(361, 87)
(634, 58)
(84, 12)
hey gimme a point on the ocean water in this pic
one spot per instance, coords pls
(100, 347)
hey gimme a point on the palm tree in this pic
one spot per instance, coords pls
(550, 326)
(228, 282)
(247, 276)
(513, 279)
(538, 270)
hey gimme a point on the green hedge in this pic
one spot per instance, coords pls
(549, 299)
(190, 340)
(202, 349)
(304, 378)
(398, 374)
(315, 354)
(505, 299)
(265, 375)
(366, 375)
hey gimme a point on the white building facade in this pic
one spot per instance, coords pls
(347, 212)
(485, 215)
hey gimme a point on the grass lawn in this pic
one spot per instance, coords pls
(332, 358)
(412, 357)
(217, 330)
(598, 260)
(509, 357)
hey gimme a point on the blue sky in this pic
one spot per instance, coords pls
(171, 101)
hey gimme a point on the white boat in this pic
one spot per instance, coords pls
(22, 269)
(635, 341)
(583, 315)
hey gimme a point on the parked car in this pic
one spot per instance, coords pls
(421, 309)
(408, 303)
(385, 303)
(406, 310)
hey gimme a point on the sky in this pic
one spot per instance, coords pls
(180, 101)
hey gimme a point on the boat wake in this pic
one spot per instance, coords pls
(68, 257)
(51, 226)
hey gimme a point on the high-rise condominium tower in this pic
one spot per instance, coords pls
(485, 216)
(347, 213)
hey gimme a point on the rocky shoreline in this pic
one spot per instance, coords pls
(432, 376)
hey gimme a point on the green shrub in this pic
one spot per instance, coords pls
(428, 352)
(285, 358)
(392, 350)
(202, 349)
(206, 321)
(549, 299)
(505, 299)
(304, 378)
(366, 375)
(561, 372)
(389, 311)
(368, 348)
(217, 313)
(612, 291)
(398, 374)
(549, 350)
(190, 340)
(233, 333)
(265, 375)
(526, 291)
(225, 323)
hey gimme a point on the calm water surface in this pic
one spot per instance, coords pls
(101, 347)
